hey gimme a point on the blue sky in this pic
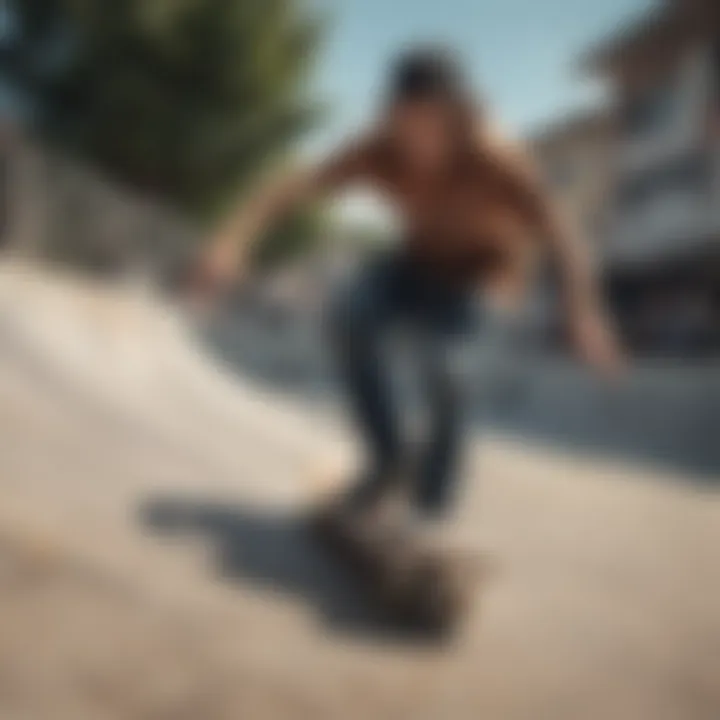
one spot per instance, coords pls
(520, 52)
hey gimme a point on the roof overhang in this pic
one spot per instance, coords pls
(666, 24)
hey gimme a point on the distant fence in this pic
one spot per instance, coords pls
(59, 209)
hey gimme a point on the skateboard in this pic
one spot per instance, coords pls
(417, 588)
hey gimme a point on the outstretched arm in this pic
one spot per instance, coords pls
(570, 251)
(228, 251)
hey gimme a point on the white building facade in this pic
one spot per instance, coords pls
(662, 244)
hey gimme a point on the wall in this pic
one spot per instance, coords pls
(60, 209)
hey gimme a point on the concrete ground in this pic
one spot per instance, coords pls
(151, 563)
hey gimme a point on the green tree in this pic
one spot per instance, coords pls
(185, 100)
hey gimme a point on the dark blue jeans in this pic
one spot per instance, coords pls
(395, 294)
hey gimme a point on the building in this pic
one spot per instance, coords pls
(574, 157)
(662, 244)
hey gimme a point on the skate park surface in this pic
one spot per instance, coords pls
(152, 563)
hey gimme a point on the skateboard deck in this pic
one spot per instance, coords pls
(414, 586)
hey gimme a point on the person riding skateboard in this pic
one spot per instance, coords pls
(476, 216)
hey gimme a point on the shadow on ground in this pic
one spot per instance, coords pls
(276, 553)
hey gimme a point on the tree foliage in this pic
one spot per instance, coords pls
(185, 100)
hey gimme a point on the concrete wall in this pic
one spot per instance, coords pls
(663, 415)
(62, 210)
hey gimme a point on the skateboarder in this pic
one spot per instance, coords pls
(476, 217)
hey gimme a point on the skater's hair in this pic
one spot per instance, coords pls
(434, 73)
(427, 73)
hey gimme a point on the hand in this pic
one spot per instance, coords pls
(596, 343)
(215, 273)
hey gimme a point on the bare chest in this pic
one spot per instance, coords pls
(453, 209)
